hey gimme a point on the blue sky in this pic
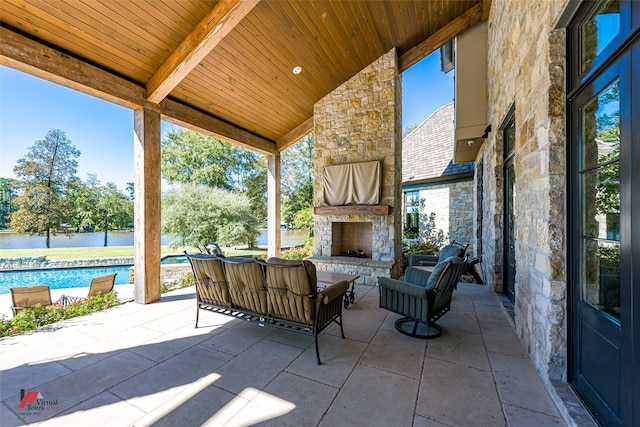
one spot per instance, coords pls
(103, 132)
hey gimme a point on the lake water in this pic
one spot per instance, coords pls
(117, 238)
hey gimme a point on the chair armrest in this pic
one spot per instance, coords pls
(15, 309)
(403, 287)
(417, 259)
(332, 291)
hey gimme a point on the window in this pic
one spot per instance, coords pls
(412, 219)
(598, 30)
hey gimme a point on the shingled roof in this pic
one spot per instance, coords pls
(427, 152)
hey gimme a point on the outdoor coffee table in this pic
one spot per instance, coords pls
(329, 277)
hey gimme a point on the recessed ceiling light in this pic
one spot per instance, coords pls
(297, 70)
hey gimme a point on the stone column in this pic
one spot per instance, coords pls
(273, 205)
(147, 204)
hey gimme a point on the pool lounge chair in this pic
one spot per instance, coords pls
(30, 296)
(99, 285)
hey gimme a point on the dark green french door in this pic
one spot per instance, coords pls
(509, 250)
(604, 239)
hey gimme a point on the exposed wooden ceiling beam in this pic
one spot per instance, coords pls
(32, 57)
(187, 117)
(295, 134)
(224, 16)
(459, 25)
(486, 8)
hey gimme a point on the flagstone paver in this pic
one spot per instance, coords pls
(144, 365)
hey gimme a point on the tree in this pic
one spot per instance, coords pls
(45, 173)
(100, 207)
(408, 129)
(256, 188)
(84, 196)
(193, 158)
(304, 219)
(198, 215)
(115, 208)
(130, 190)
(297, 179)
(7, 195)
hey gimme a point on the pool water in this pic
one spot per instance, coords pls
(74, 277)
(58, 278)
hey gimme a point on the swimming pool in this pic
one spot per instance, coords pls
(58, 278)
(73, 277)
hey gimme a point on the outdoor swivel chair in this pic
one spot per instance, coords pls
(422, 298)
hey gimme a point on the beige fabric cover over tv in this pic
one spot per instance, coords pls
(352, 184)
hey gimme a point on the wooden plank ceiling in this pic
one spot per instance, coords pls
(232, 60)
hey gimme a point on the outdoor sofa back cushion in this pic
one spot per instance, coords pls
(291, 287)
(311, 269)
(246, 284)
(211, 284)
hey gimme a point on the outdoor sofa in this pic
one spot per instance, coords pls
(278, 293)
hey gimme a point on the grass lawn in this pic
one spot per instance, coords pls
(105, 252)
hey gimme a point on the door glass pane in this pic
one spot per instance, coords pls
(510, 196)
(509, 138)
(600, 127)
(598, 30)
(601, 275)
(600, 196)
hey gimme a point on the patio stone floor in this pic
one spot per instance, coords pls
(147, 365)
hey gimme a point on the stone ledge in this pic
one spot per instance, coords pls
(351, 260)
(569, 404)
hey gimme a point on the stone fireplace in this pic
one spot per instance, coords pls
(358, 122)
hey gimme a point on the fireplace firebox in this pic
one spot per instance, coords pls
(353, 239)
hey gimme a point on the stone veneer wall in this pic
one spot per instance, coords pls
(361, 121)
(526, 66)
(453, 205)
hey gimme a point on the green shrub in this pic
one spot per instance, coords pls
(187, 281)
(410, 247)
(299, 252)
(165, 287)
(35, 317)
